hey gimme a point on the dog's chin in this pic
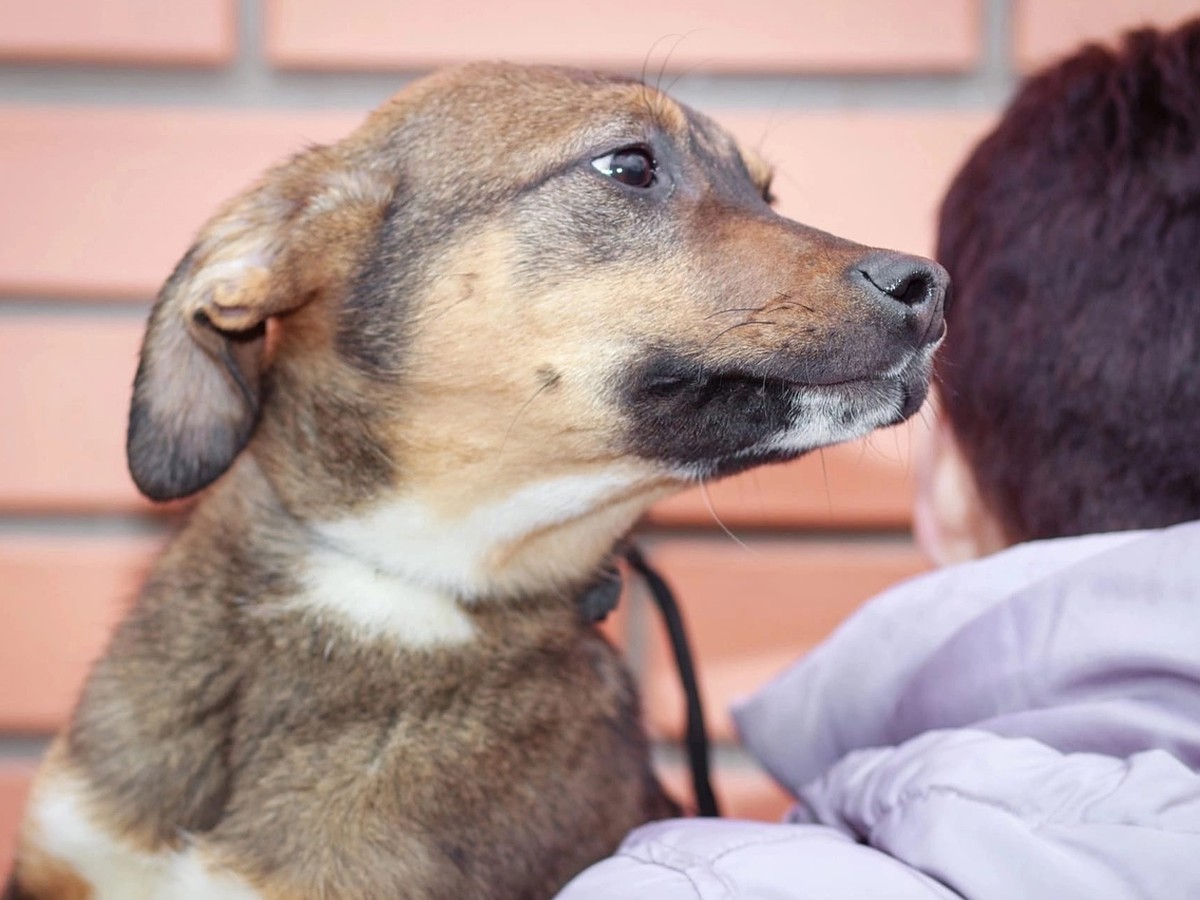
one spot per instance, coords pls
(719, 423)
(859, 407)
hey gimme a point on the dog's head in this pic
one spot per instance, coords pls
(518, 301)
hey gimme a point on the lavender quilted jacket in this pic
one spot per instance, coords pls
(1022, 727)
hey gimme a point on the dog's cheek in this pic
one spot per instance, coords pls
(585, 225)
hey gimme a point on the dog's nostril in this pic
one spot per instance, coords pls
(909, 287)
(908, 279)
(910, 290)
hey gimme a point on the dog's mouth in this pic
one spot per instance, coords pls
(708, 421)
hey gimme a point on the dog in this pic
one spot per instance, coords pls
(427, 378)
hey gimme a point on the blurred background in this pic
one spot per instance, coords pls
(123, 123)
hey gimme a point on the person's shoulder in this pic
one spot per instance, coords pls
(932, 637)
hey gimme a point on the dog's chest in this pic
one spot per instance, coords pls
(514, 761)
(525, 691)
(298, 751)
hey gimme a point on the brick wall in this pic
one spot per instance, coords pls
(124, 122)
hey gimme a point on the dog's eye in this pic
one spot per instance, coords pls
(633, 166)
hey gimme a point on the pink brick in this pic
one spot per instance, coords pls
(1047, 29)
(873, 177)
(702, 35)
(64, 410)
(195, 32)
(59, 599)
(110, 199)
(751, 611)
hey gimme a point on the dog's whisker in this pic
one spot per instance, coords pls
(650, 53)
(520, 412)
(933, 411)
(825, 478)
(726, 331)
(716, 518)
(778, 302)
(944, 390)
(427, 319)
(766, 132)
(909, 458)
(683, 73)
(662, 69)
(734, 309)
(863, 446)
(652, 99)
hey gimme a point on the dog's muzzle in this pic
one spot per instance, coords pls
(791, 396)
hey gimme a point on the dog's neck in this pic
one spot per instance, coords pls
(399, 570)
(536, 537)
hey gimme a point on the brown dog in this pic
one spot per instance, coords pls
(440, 368)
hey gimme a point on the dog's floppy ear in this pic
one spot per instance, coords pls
(197, 391)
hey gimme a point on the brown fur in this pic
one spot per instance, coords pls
(460, 308)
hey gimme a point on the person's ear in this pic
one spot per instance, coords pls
(950, 520)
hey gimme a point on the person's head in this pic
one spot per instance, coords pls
(1069, 382)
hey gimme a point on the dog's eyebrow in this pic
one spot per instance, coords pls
(606, 138)
(612, 135)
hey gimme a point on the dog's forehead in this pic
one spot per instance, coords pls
(551, 97)
(484, 110)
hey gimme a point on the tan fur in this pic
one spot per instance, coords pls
(43, 876)
(434, 372)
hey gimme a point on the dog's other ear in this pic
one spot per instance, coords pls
(196, 395)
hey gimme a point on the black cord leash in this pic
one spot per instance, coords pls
(696, 736)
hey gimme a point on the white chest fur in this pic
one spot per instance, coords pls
(114, 868)
(457, 554)
(372, 602)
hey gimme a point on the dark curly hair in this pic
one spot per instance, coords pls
(1071, 373)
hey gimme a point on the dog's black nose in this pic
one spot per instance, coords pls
(913, 287)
